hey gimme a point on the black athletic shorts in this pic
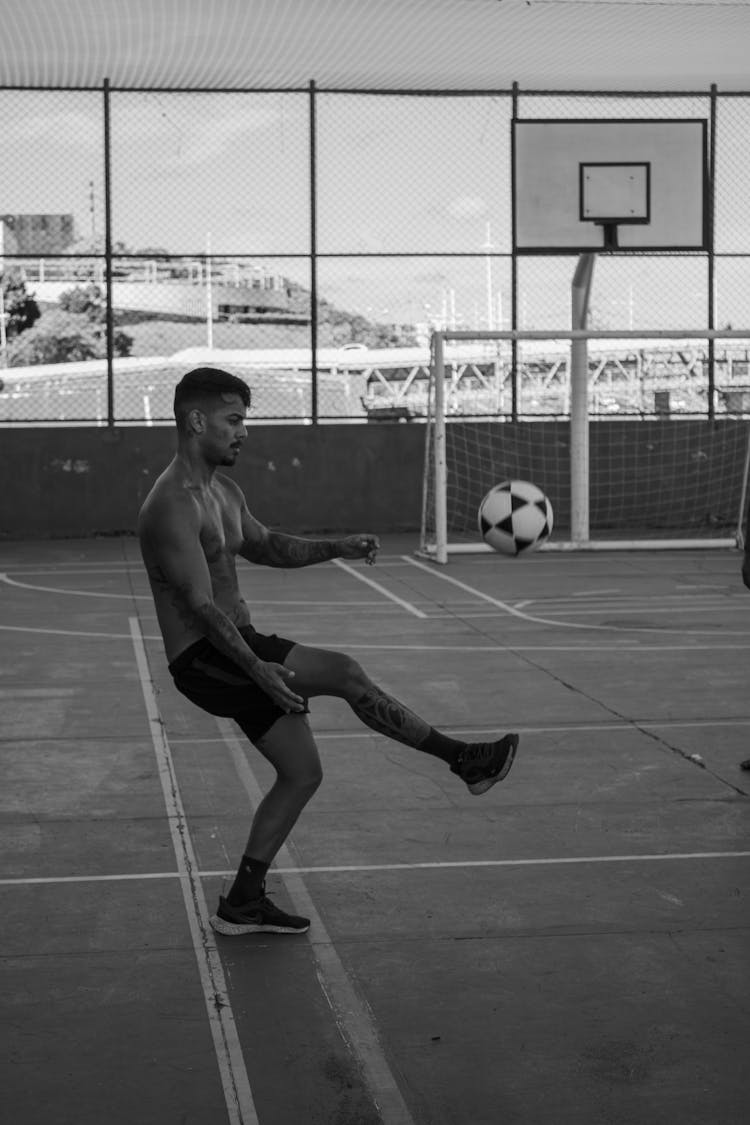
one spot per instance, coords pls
(216, 684)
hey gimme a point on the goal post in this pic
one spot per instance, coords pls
(652, 478)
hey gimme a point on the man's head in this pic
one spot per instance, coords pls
(210, 407)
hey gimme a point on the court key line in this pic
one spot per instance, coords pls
(532, 619)
(381, 589)
(4, 577)
(227, 1047)
(374, 868)
(75, 593)
(715, 607)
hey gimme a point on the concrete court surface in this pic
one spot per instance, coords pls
(570, 948)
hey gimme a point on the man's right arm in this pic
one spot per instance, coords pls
(178, 565)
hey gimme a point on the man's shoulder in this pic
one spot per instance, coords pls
(166, 496)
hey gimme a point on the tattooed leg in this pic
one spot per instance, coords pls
(386, 715)
(383, 713)
(320, 672)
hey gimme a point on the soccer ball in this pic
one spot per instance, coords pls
(515, 517)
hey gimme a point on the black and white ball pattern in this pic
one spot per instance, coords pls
(515, 517)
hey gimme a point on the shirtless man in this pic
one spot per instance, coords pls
(192, 526)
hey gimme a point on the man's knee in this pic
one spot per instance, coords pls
(291, 750)
(302, 777)
(354, 679)
(309, 779)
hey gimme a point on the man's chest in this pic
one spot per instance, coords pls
(221, 532)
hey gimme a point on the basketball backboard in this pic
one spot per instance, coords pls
(587, 185)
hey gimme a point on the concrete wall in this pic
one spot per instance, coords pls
(86, 481)
(678, 474)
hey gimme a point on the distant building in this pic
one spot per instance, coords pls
(36, 234)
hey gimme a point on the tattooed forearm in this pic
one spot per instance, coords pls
(386, 715)
(218, 628)
(289, 551)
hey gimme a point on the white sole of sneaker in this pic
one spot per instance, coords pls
(237, 929)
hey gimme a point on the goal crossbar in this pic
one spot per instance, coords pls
(594, 334)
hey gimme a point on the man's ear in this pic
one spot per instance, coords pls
(196, 421)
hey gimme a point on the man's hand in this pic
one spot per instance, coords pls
(746, 570)
(359, 547)
(272, 678)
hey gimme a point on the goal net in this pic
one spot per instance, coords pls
(629, 458)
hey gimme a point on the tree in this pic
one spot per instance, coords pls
(339, 327)
(73, 332)
(21, 310)
(58, 337)
(88, 302)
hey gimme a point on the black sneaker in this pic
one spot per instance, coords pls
(482, 764)
(260, 916)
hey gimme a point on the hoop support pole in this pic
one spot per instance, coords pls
(441, 469)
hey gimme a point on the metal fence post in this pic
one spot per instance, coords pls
(711, 186)
(313, 259)
(513, 271)
(108, 258)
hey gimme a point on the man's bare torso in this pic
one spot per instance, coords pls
(219, 508)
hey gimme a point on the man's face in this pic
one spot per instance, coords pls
(224, 430)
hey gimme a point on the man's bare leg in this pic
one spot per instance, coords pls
(290, 748)
(322, 672)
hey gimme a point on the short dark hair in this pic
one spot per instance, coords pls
(207, 382)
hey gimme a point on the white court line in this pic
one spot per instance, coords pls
(509, 609)
(374, 868)
(352, 1015)
(549, 604)
(71, 633)
(615, 647)
(627, 726)
(543, 602)
(75, 593)
(624, 611)
(4, 577)
(636, 726)
(120, 570)
(261, 602)
(71, 568)
(234, 1079)
(381, 589)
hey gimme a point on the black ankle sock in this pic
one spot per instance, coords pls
(249, 881)
(442, 746)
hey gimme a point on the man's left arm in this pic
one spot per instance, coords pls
(275, 548)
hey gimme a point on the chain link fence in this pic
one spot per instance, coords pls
(311, 240)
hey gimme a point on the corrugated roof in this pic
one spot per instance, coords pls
(377, 44)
